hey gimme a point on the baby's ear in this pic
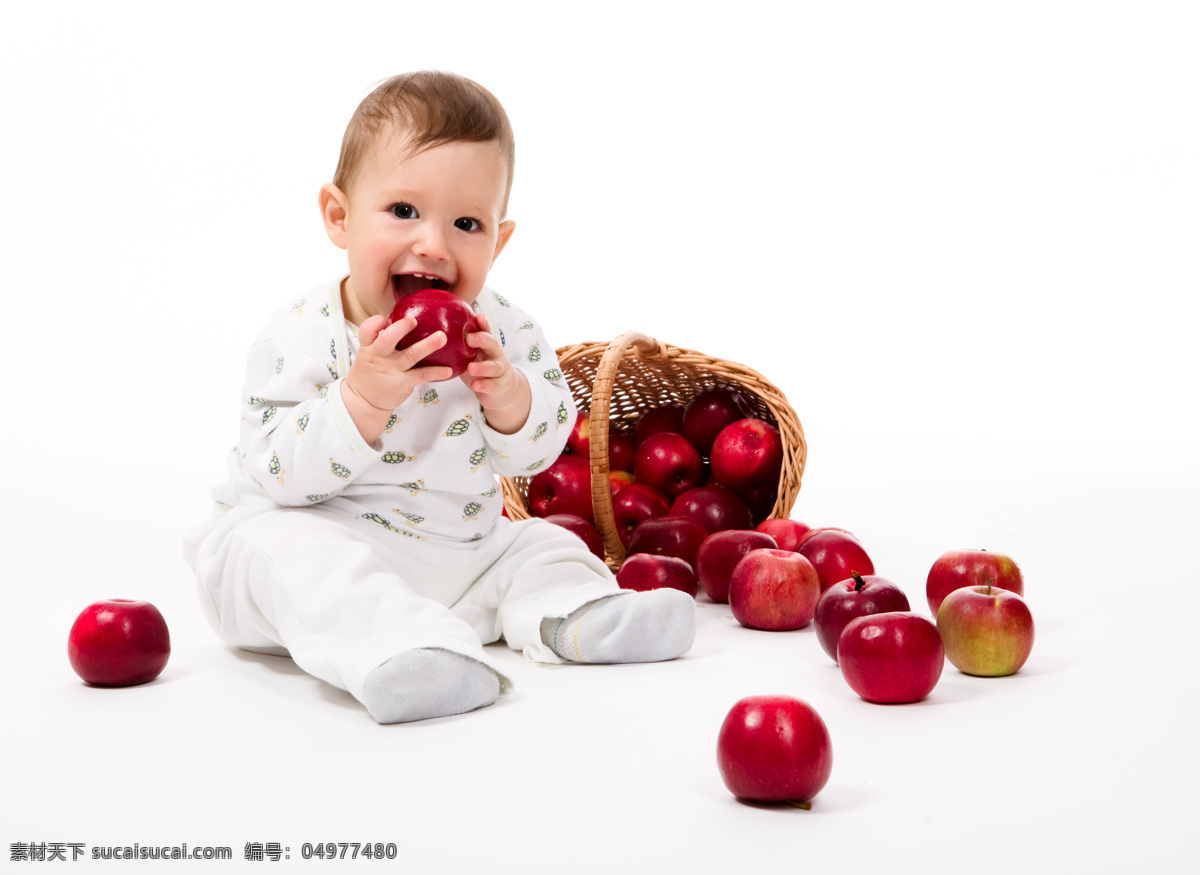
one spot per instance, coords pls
(333, 213)
(506, 231)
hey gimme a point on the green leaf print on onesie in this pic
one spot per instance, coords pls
(276, 468)
(562, 412)
(339, 470)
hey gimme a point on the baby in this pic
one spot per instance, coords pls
(360, 529)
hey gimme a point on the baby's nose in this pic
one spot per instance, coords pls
(432, 244)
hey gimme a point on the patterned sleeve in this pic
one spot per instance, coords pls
(297, 440)
(552, 408)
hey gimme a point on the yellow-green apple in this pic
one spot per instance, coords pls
(582, 529)
(836, 554)
(618, 480)
(987, 631)
(669, 463)
(437, 310)
(955, 569)
(774, 749)
(714, 507)
(634, 504)
(787, 533)
(720, 552)
(710, 411)
(747, 457)
(891, 658)
(564, 487)
(679, 536)
(848, 599)
(773, 589)
(664, 418)
(119, 643)
(646, 571)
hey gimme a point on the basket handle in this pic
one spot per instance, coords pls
(598, 418)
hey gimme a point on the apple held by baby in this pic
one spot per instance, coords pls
(436, 310)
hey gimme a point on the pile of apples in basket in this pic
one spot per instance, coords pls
(692, 488)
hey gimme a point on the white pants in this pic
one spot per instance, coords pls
(341, 598)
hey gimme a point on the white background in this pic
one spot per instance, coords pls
(960, 236)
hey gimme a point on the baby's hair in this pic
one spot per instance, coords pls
(430, 108)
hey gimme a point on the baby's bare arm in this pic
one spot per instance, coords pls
(382, 377)
(501, 389)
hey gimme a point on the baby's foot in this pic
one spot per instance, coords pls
(419, 684)
(627, 627)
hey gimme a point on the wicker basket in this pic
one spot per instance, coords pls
(617, 382)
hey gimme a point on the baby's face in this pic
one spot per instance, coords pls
(416, 221)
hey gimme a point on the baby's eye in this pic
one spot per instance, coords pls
(404, 211)
(466, 224)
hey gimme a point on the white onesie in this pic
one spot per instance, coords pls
(343, 554)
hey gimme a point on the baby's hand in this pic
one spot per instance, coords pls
(382, 377)
(501, 389)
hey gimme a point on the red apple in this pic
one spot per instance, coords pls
(836, 554)
(787, 533)
(645, 571)
(665, 417)
(987, 631)
(714, 507)
(774, 749)
(720, 552)
(852, 598)
(564, 487)
(119, 643)
(747, 456)
(436, 310)
(812, 532)
(710, 411)
(774, 590)
(578, 439)
(669, 463)
(891, 658)
(679, 536)
(622, 451)
(634, 504)
(621, 448)
(958, 568)
(580, 527)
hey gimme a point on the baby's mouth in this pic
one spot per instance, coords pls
(407, 283)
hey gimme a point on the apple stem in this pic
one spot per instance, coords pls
(796, 803)
(859, 583)
(991, 580)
